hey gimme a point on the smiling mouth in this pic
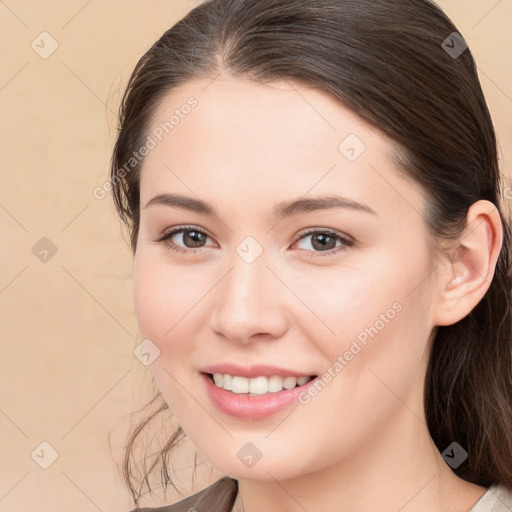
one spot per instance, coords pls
(257, 385)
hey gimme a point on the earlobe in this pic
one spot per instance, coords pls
(472, 264)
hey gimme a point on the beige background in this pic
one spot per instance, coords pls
(68, 329)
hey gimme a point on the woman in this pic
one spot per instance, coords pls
(321, 258)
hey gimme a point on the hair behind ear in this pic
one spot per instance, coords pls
(468, 387)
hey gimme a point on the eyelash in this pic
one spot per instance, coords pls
(165, 238)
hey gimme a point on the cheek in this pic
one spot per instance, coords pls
(384, 354)
(378, 319)
(150, 304)
(165, 298)
(348, 304)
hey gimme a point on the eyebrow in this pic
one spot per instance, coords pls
(280, 211)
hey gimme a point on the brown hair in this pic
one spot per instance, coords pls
(386, 61)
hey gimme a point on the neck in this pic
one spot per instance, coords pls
(389, 472)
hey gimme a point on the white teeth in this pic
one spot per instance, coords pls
(275, 383)
(240, 384)
(289, 382)
(257, 385)
(227, 381)
(217, 378)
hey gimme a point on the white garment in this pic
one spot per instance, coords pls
(495, 499)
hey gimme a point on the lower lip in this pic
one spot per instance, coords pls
(253, 407)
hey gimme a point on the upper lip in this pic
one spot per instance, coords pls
(256, 370)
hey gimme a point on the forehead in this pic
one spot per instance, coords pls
(258, 139)
(259, 117)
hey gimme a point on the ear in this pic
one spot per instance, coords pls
(463, 282)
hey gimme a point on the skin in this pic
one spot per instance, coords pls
(362, 443)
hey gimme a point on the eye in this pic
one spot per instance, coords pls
(324, 241)
(191, 237)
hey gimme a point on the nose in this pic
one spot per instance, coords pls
(250, 303)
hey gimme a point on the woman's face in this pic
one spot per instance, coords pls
(354, 306)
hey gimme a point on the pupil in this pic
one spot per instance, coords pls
(323, 239)
(195, 236)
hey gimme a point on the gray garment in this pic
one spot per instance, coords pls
(218, 497)
(221, 496)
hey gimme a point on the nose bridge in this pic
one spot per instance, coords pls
(247, 300)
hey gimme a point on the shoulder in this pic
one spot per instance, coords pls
(497, 498)
(218, 497)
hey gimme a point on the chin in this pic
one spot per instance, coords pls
(261, 471)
